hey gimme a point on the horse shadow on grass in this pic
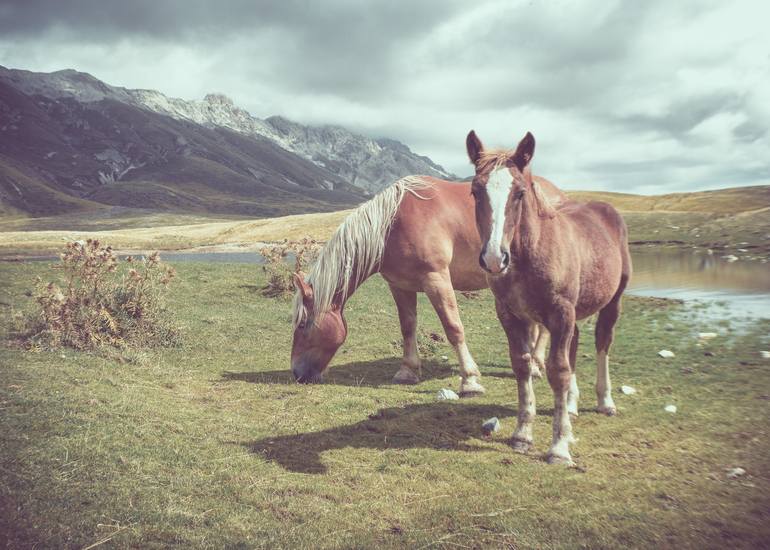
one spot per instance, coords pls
(370, 374)
(439, 426)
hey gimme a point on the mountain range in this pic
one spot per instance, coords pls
(70, 142)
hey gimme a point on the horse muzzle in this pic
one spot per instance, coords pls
(306, 375)
(495, 264)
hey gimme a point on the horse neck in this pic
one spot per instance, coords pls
(340, 298)
(529, 228)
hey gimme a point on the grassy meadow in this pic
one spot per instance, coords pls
(212, 444)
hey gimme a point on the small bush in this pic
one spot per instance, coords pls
(278, 265)
(101, 303)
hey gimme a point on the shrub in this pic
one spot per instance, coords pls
(278, 266)
(101, 302)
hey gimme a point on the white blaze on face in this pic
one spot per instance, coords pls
(498, 189)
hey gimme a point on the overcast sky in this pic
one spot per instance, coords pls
(638, 96)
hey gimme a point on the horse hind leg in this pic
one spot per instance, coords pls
(605, 328)
(573, 394)
(406, 302)
(438, 287)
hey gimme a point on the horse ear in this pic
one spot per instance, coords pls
(305, 289)
(474, 147)
(524, 152)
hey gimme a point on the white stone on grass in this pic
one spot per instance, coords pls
(627, 390)
(666, 353)
(707, 335)
(765, 354)
(447, 395)
(732, 473)
(730, 258)
(670, 408)
(490, 425)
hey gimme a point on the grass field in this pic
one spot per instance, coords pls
(730, 221)
(212, 444)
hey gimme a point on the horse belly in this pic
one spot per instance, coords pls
(598, 285)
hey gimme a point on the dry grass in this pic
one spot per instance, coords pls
(741, 209)
(97, 304)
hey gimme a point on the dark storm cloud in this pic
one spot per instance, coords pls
(639, 92)
(333, 46)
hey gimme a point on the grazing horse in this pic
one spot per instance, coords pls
(551, 266)
(420, 236)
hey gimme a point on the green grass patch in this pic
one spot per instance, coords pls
(213, 445)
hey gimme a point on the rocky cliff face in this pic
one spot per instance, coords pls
(70, 143)
(364, 162)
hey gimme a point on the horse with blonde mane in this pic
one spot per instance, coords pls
(419, 235)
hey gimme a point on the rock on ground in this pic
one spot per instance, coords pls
(490, 425)
(666, 353)
(447, 395)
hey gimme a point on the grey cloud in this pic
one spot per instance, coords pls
(660, 90)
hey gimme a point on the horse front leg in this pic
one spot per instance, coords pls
(406, 302)
(520, 341)
(438, 287)
(561, 324)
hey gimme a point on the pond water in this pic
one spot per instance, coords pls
(739, 288)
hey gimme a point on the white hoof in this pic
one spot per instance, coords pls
(470, 387)
(560, 460)
(521, 445)
(607, 406)
(405, 375)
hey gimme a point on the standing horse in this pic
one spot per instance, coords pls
(551, 266)
(420, 236)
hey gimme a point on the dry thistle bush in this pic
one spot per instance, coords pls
(278, 265)
(101, 303)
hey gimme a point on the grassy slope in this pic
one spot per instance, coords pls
(213, 445)
(725, 220)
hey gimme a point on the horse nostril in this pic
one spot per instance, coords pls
(506, 259)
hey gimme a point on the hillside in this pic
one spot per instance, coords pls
(63, 156)
(721, 201)
(339, 158)
(744, 231)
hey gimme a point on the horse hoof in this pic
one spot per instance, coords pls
(406, 376)
(521, 445)
(471, 388)
(608, 410)
(559, 460)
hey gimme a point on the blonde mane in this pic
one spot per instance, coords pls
(355, 249)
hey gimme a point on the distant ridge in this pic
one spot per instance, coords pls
(344, 161)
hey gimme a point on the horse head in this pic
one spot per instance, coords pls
(502, 178)
(317, 335)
